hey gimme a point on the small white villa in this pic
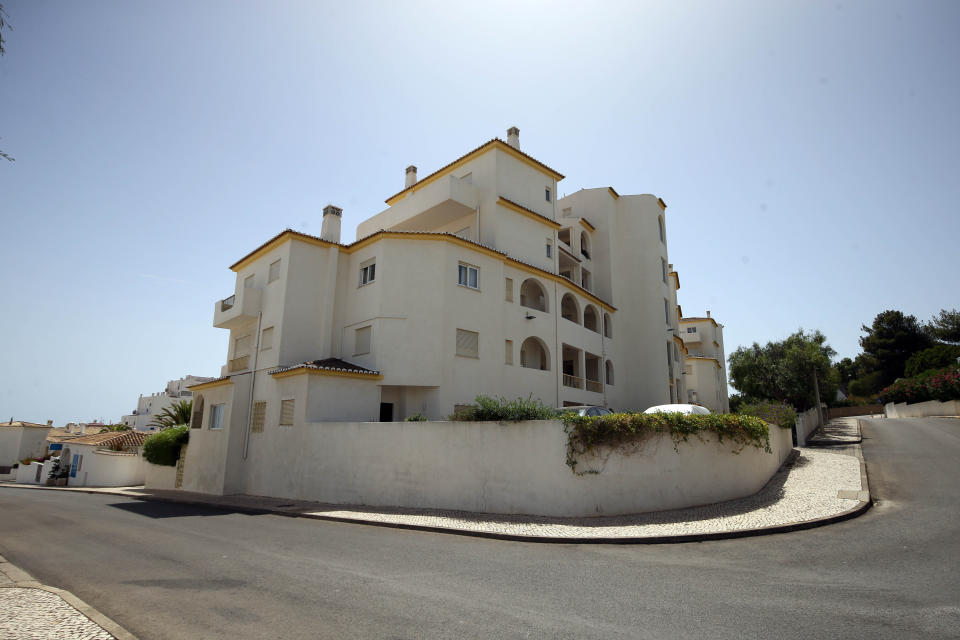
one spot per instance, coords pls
(476, 279)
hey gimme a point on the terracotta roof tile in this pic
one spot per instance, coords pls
(327, 364)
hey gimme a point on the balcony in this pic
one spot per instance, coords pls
(239, 364)
(426, 208)
(595, 385)
(572, 381)
(238, 309)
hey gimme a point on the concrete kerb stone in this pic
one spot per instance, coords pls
(23, 580)
(863, 496)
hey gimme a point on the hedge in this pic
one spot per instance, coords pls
(941, 384)
(163, 447)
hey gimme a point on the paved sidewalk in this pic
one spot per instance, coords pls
(815, 487)
(32, 611)
(839, 431)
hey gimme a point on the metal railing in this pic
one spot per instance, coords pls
(572, 381)
(227, 303)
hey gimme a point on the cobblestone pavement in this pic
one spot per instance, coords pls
(32, 611)
(819, 483)
(35, 614)
(837, 431)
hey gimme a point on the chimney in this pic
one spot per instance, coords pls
(49, 423)
(83, 427)
(708, 313)
(513, 137)
(330, 230)
(411, 177)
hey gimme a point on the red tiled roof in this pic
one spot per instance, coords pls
(125, 439)
(327, 364)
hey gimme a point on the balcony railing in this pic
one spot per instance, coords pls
(239, 364)
(227, 303)
(572, 381)
(595, 385)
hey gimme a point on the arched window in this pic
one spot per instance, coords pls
(569, 309)
(591, 318)
(607, 325)
(662, 234)
(585, 244)
(534, 354)
(533, 295)
(609, 366)
(197, 418)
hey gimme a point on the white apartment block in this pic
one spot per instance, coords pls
(476, 279)
(149, 406)
(706, 368)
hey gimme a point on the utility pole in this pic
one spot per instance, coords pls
(816, 392)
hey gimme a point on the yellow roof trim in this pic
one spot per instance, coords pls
(533, 215)
(278, 241)
(587, 225)
(496, 143)
(299, 371)
(713, 360)
(613, 192)
(716, 344)
(203, 386)
(677, 276)
(663, 205)
(678, 339)
(693, 320)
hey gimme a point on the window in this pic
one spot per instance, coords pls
(216, 416)
(248, 282)
(607, 326)
(468, 343)
(663, 268)
(286, 413)
(468, 276)
(241, 346)
(266, 339)
(361, 341)
(508, 352)
(691, 329)
(274, 271)
(546, 193)
(259, 416)
(666, 310)
(549, 248)
(509, 288)
(609, 367)
(660, 222)
(368, 272)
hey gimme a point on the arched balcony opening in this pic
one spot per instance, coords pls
(197, 418)
(533, 295)
(534, 354)
(585, 244)
(607, 326)
(569, 309)
(591, 318)
(609, 368)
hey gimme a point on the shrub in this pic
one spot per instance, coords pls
(936, 357)
(163, 447)
(776, 413)
(942, 384)
(586, 434)
(417, 417)
(503, 410)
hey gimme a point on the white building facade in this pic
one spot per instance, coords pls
(475, 280)
(706, 366)
(149, 406)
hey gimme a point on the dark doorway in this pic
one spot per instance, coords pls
(386, 412)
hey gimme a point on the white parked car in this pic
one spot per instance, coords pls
(587, 410)
(689, 409)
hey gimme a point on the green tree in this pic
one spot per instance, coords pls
(891, 340)
(783, 370)
(175, 415)
(936, 357)
(945, 326)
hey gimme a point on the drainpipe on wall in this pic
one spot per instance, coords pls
(558, 357)
(253, 382)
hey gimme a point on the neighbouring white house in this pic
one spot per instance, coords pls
(476, 279)
(706, 366)
(20, 439)
(109, 459)
(149, 406)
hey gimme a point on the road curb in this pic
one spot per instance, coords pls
(862, 507)
(23, 580)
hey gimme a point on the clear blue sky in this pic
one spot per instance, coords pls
(808, 153)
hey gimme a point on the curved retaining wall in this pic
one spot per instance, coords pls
(515, 468)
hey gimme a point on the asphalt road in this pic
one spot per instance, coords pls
(171, 571)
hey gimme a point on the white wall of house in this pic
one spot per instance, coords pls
(27, 473)
(17, 443)
(99, 468)
(497, 468)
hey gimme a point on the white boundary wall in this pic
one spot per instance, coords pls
(160, 476)
(807, 423)
(517, 468)
(931, 408)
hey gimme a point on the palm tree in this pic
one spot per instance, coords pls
(173, 416)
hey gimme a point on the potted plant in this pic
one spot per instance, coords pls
(54, 472)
